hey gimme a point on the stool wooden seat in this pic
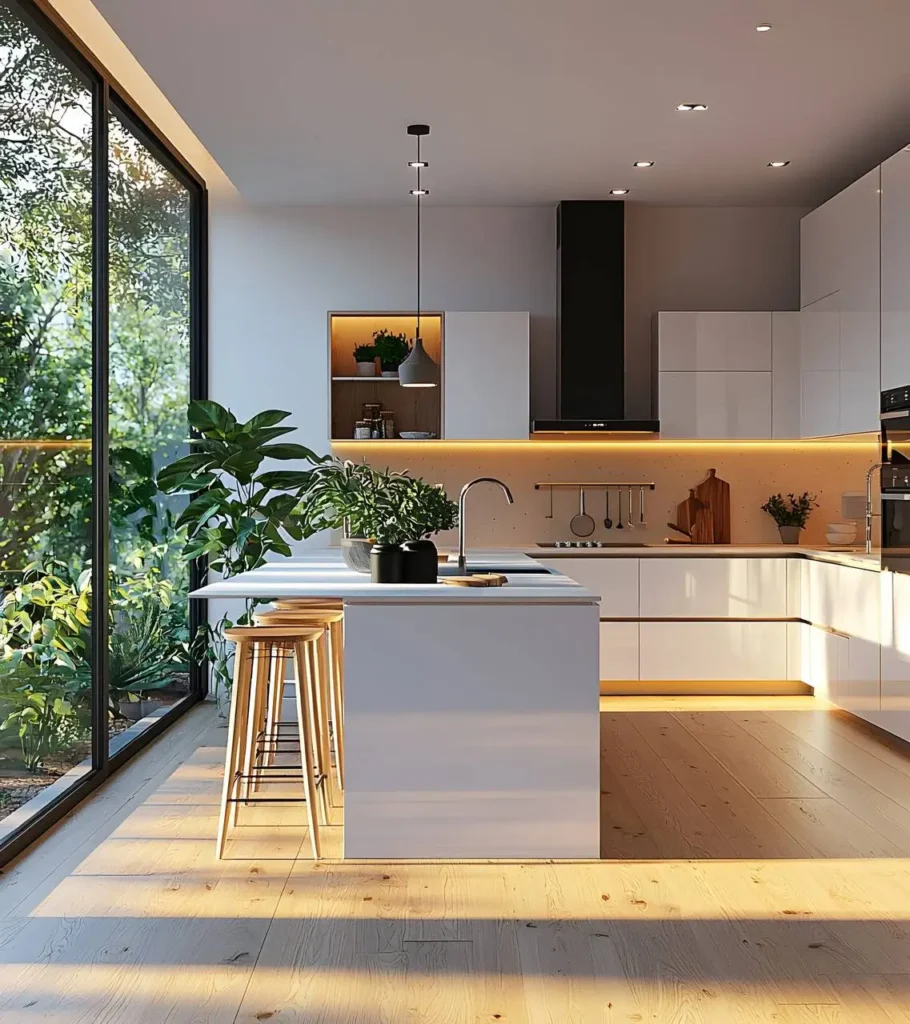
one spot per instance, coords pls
(331, 691)
(255, 648)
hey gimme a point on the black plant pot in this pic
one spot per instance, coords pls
(421, 561)
(386, 563)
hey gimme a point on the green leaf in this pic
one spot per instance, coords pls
(284, 479)
(288, 451)
(172, 476)
(206, 415)
(268, 418)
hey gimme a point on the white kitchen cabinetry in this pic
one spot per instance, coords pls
(703, 341)
(614, 579)
(895, 654)
(840, 271)
(486, 376)
(895, 255)
(710, 651)
(715, 404)
(721, 588)
(619, 642)
(785, 382)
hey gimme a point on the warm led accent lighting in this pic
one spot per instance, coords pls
(47, 443)
(578, 441)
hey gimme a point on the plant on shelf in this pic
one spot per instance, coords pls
(365, 358)
(237, 515)
(791, 513)
(392, 350)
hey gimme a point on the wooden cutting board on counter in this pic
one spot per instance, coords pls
(481, 579)
(692, 517)
(714, 494)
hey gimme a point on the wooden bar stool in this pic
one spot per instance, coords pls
(256, 648)
(330, 616)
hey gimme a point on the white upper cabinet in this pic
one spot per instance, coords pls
(487, 376)
(840, 268)
(895, 347)
(714, 341)
(715, 404)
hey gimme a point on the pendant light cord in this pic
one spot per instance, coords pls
(419, 199)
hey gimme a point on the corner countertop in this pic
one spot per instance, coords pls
(324, 574)
(855, 557)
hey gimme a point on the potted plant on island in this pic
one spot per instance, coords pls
(426, 510)
(365, 358)
(790, 513)
(392, 350)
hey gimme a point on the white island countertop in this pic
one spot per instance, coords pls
(324, 574)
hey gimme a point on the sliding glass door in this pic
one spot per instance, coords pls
(102, 265)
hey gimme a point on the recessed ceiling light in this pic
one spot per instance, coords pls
(685, 107)
(619, 191)
(643, 163)
(420, 191)
(778, 163)
(763, 27)
(418, 163)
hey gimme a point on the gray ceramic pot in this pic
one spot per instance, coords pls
(790, 534)
(356, 553)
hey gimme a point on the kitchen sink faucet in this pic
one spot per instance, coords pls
(462, 564)
(869, 513)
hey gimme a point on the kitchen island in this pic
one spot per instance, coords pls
(471, 714)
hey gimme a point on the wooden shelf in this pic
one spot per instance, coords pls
(369, 380)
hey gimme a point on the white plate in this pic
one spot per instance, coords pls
(416, 435)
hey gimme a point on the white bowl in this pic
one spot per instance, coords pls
(416, 435)
(840, 540)
(841, 527)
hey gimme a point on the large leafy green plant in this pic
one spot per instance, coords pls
(47, 709)
(237, 515)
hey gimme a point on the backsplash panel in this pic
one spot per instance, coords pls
(753, 470)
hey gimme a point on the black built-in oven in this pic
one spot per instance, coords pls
(895, 479)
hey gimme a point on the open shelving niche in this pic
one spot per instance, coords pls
(414, 408)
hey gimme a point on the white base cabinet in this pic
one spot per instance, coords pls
(713, 588)
(710, 651)
(619, 647)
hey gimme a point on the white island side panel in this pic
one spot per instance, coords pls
(471, 731)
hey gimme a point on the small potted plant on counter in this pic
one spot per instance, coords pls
(790, 513)
(426, 510)
(365, 358)
(392, 350)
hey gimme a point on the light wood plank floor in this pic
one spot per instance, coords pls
(757, 870)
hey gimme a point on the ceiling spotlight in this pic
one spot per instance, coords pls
(619, 191)
(420, 191)
(643, 163)
(685, 107)
(778, 163)
(763, 27)
(418, 163)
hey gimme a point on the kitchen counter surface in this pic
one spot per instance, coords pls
(324, 574)
(855, 557)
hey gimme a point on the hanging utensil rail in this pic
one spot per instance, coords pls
(595, 484)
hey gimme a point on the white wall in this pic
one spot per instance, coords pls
(688, 258)
(275, 272)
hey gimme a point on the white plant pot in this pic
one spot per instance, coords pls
(367, 369)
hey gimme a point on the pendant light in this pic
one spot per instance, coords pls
(418, 370)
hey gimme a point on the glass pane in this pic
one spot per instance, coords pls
(149, 394)
(45, 423)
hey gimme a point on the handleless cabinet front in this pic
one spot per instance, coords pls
(714, 588)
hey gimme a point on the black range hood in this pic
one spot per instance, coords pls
(590, 244)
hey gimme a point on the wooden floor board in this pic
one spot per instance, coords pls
(758, 871)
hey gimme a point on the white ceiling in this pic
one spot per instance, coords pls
(532, 101)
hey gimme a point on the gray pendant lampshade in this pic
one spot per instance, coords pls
(418, 370)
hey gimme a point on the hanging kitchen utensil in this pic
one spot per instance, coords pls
(641, 507)
(608, 522)
(619, 525)
(582, 525)
(630, 523)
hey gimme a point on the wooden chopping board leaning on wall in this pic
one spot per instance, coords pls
(714, 494)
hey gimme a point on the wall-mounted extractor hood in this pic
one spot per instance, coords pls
(591, 361)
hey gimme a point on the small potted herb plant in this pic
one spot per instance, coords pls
(365, 358)
(790, 513)
(392, 350)
(426, 510)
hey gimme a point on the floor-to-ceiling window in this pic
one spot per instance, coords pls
(101, 349)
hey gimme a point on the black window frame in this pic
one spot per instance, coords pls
(107, 97)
